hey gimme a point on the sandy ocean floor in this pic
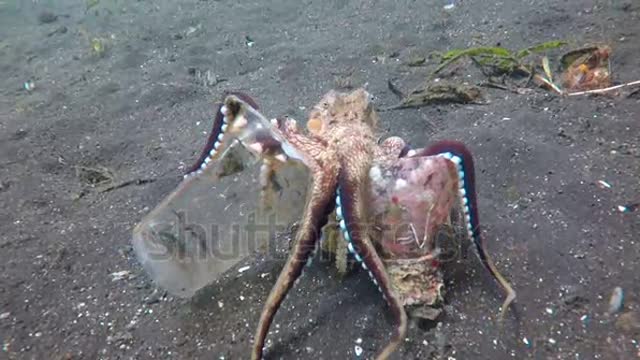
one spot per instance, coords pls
(139, 110)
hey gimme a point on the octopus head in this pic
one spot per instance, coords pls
(338, 108)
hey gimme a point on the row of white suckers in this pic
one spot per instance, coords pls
(239, 123)
(216, 145)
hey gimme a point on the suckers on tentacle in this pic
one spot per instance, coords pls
(216, 135)
(461, 156)
(352, 218)
(347, 237)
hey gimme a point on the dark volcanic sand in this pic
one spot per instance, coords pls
(139, 112)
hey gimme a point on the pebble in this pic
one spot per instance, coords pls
(119, 275)
(628, 208)
(584, 319)
(60, 30)
(358, 350)
(4, 315)
(120, 338)
(249, 41)
(549, 311)
(191, 30)
(616, 301)
(416, 61)
(155, 297)
(47, 17)
(131, 325)
(29, 85)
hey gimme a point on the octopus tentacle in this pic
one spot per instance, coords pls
(349, 202)
(209, 151)
(461, 156)
(319, 205)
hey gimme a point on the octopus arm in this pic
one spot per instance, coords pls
(461, 156)
(215, 134)
(350, 211)
(319, 205)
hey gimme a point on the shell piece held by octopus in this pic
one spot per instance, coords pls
(411, 199)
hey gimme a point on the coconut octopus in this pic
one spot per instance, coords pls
(389, 201)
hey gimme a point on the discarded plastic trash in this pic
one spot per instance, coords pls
(249, 41)
(29, 85)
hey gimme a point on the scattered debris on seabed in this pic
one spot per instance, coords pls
(586, 68)
(616, 302)
(47, 17)
(629, 207)
(29, 85)
(584, 71)
(91, 3)
(120, 275)
(439, 92)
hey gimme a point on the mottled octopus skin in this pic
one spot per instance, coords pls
(339, 152)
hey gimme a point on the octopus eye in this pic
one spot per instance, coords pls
(314, 124)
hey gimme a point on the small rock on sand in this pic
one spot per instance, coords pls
(47, 17)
